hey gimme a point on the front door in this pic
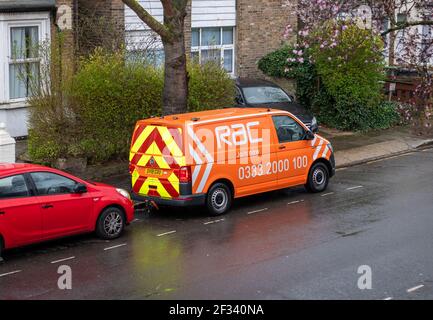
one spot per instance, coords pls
(63, 211)
(294, 151)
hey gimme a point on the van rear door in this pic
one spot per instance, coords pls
(156, 157)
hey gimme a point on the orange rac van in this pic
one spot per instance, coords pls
(212, 157)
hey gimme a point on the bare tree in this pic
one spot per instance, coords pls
(171, 31)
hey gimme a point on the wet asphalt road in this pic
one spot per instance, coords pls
(281, 245)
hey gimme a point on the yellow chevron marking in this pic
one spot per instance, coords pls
(170, 142)
(159, 187)
(161, 190)
(135, 176)
(174, 180)
(181, 161)
(143, 136)
(143, 160)
(159, 158)
(144, 188)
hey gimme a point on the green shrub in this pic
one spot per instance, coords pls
(384, 115)
(210, 87)
(274, 64)
(341, 83)
(351, 71)
(52, 124)
(277, 64)
(92, 114)
(110, 97)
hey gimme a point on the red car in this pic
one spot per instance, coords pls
(39, 203)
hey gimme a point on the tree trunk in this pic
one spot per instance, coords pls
(175, 92)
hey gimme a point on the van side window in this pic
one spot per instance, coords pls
(13, 187)
(288, 130)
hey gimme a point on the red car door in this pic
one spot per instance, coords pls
(20, 213)
(63, 211)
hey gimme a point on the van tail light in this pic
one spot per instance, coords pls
(131, 168)
(184, 174)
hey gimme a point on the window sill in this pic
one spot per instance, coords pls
(13, 105)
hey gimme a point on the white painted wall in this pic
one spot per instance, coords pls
(205, 13)
(132, 22)
(7, 145)
(213, 13)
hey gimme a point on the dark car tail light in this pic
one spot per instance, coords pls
(184, 174)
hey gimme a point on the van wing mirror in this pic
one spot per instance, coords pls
(80, 188)
(309, 135)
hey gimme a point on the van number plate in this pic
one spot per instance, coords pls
(156, 172)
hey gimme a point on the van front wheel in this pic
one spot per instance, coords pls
(219, 199)
(318, 178)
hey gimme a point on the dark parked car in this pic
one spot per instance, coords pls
(253, 93)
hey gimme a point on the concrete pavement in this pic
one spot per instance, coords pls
(356, 148)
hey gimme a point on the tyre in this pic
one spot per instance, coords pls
(111, 223)
(219, 199)
(318, 178)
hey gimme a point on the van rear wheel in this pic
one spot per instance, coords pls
(219, 199)
(318, 178)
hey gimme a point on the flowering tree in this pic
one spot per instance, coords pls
(404, 25)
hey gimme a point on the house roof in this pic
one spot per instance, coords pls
(26, 5)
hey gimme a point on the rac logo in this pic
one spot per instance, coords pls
(237, 134)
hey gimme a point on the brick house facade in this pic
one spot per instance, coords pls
(260, 26)
(25, 23)
(235, 32)
(243, 31)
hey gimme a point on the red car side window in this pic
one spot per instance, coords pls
(48, 183)
(13, 187)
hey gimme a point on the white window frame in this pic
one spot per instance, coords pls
(7, 22)
(221, 46)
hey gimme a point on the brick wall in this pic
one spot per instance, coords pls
(187, 29)
(260, 29)
(100, 23)
(68, 37)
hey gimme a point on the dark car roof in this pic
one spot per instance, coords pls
(250, 82)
